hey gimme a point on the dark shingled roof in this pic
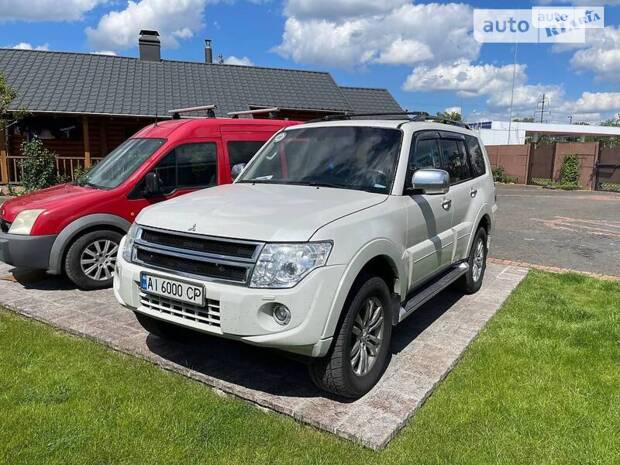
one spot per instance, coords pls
(62, 82)
(367, 100)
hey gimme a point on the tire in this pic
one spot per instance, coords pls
(341, 372)
(472, 280)
(163, 329)
(91, 259)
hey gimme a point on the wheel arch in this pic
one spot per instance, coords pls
(79, 227)
(380, 258)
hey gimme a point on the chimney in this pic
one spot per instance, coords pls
(149, 45)
(208, 52)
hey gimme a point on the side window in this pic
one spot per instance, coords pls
(196, 165)
(189, 165)
(476, 158)
(167, 172)
(455, 160)
(425, 155)
(242, 151)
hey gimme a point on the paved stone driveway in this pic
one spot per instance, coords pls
(425, 348)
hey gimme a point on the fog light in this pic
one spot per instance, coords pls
(281, 314)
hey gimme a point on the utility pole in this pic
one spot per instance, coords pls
(544, 101)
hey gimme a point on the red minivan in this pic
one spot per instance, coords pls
(76, 228)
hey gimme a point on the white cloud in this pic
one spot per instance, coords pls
(105, 52)
(332, 9)
(601, 55)
(598, 102)
(29, 46)
(454, 110)
(373, 31)
(233, 60)
(484, 80)
(405, 51)
(118, 29)
(45, 10)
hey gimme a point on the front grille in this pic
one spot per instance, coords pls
(199, 244)
(214, 258)
(209, 315)
(4, 226)
(195, 267)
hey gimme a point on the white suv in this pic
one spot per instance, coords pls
(334, 233)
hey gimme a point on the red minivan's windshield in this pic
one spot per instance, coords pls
(121, 163)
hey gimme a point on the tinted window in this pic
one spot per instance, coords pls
(190, 165)
(196, 165)
(455, 160)
(426, 155)
(242, 151)
(476, 158)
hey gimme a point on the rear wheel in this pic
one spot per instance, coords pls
(360, 351)
(91, 259)
(477, 261)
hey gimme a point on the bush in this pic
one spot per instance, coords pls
(499, 175)
(38, 167)
(569, 172)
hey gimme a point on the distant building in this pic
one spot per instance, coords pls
(83, 105)
(506, 133)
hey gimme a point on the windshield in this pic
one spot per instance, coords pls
(121, 163)
(352, 157)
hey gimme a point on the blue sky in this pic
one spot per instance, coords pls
(423, 52)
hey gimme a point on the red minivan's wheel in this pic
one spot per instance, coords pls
(91, 259)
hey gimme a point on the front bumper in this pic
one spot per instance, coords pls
(26, 251)
(245, 313)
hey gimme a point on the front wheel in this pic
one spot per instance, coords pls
(91, 259)
(361, 348)
(472, 280)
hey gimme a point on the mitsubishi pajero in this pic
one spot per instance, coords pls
(333, 234)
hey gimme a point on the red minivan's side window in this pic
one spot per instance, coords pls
(189, 166)
(242, 151)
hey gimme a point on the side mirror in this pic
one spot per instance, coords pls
(431, 181)
(152, 186)
(236, 170)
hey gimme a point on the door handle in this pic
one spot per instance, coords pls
(446, 204)
(473, 192)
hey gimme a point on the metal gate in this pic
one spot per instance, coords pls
(541, 163)
(608, 169)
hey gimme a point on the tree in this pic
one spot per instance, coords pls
(7, 95)
(612, 122)
(452, 115)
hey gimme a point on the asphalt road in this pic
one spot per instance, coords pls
(577, 230)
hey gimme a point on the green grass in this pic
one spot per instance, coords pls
(541, 385)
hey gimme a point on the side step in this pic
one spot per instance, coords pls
(431, 289)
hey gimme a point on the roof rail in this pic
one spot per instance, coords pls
(410, 115)
(210, 109)
(257, 111)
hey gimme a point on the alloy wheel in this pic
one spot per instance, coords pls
(99, 259)
(478, 262)
(367, 336)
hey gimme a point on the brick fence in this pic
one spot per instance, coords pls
(530, 162)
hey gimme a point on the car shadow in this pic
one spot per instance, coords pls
(275, 372)
(39, 280)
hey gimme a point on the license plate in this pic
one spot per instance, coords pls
(172, 289)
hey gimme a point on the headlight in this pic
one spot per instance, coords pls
(284, 265)
(131, 237)
(24, 221)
